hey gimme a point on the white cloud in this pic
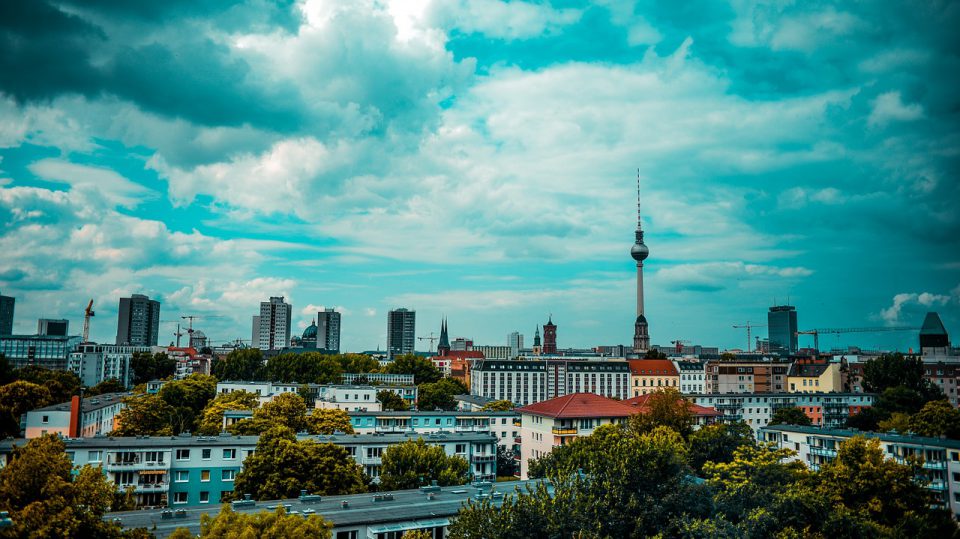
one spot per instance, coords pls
(889, 107)
(715, 276)
(107, 183)
(501, 20)
(891, 315)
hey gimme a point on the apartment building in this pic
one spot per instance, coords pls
(558, 421)
(504, 425)
(649, 375)
(746, 376)
(93, 363)
(529, 381)
(692, 377)
(332, 396)
(98, 417)
(815, 376)
(940, 457)
(756, 409)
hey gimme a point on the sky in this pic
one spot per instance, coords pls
(478, 160)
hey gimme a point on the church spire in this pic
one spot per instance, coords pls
(443, 347)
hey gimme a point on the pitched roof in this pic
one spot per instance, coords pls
(806, 369)
(579, 405)
(932, 325)
(699, 411)
(652, 367)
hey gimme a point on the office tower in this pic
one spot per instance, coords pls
(6, 314)
(138, 321)
(782, 329)
(401, 332)
(255, 332)
(328, 330)
(550, 337)
(273, 324)
(640, 252)
(934, 339)
(515, 342)
(49, 326)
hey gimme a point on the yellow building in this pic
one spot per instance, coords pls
(808, 377)
(649, 375)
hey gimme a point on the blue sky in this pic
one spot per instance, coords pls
(478, 160)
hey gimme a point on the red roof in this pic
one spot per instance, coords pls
(579, 405)
(699, 411)
(462, 354)
(652, 367)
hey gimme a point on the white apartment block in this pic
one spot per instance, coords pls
(528, 381)
(756, 409)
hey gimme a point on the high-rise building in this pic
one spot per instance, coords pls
(255, 331)
(272, 327)
(515, 342)
(401, 332)
(49, 326)
(138, 321)
(640, 252)
(934, 339)
(782, 329)
(550, 337)
(328, 330)
(6, 314)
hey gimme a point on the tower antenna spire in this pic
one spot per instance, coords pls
(638, 198)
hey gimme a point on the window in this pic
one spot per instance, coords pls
(179, 497)
(45, 419)
(183, 454)
(228, 475)
(205, 453)
(461, 448)
(204, 496)
(182, 476)
(229, 454)
(94, 456)
(204, 475)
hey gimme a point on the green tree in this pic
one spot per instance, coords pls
(6, 370)
(62, 384)
(211, 420)
(322, 421)
(243, 364)
(506, 463)
(147, 366)
(417, 534)
(880, 495)
(46, 499)
(937, 418)
(229, 524)
(898, 421)
(654, 354)
(287, 409)
(188, 397)
(718, 443)
(282, 466)
(664, 408)
(391, 401)
(440, 395)
(415, 463)
(790, 415)
(498, 406)
(146, 415)
(422, 369)
(16, 399)
(110, 385)
(897, 370)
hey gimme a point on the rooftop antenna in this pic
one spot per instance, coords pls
(638, 198)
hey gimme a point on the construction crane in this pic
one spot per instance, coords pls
(749, 327)
(816, 332)
(679, 344)
(192, 317)
(87, 313)
(430, 338)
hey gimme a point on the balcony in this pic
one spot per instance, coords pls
(823, 451)
(728, 406)
(937, 485)
(935, 465)
(564, 431)
(370, 461)
(483, 458)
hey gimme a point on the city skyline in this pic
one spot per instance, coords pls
(481, 172)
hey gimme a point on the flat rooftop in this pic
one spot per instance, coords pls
(849, 433)
(361, 510)
(90, 404)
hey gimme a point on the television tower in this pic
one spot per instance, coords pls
(640, 252)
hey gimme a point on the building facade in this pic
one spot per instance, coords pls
(757, 409)
(7, 305)
(940, 457)
(401, 332)
(782, 329)
(494, 352)
(692, 377)
(272, 326)
(49, 326)
(650, 375)
(93, 363)
(529, 381)
(138, 321)
(515, 342)
(746, 376)
(48, 351)
(328, 330)
(549, 337)
(98, 417)
(817, 376)
(504, 425)
(557, 422)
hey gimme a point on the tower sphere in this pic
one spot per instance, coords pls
(639, 252)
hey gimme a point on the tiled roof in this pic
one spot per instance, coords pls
(800, 369)
(652, 367)
(699, 411)
(579, 405)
